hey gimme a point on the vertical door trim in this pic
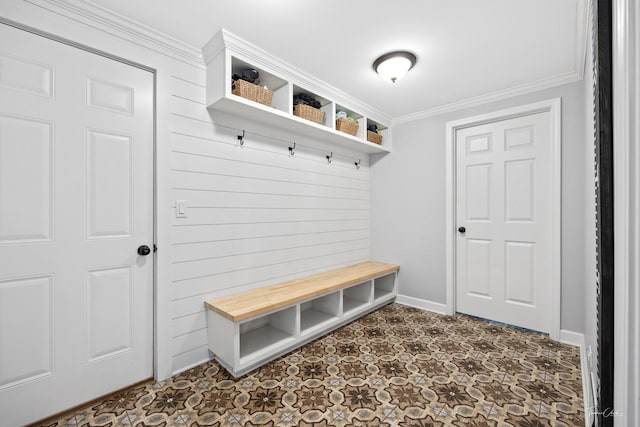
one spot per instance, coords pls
(626, 207)
(553, 106)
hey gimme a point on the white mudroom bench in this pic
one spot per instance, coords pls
(248, 329)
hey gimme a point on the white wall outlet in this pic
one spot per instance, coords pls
(181, 208)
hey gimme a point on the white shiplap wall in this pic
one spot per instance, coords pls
(256, 215)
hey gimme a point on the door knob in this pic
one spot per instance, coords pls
(144, 250)
(462, 229)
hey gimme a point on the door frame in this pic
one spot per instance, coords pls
(553, 106)
(626, 199)
(154, 167)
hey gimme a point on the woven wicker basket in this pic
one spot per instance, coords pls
(252, 92)
(374, 137)
(307, 112)
(347, 126)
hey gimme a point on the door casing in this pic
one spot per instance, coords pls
(553, 106)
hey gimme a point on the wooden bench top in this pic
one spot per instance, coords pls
(243, 305)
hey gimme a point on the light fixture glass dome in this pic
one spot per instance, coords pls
(393, 66)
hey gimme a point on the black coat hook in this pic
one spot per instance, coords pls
(329, 157)
(358, 164)
(291, 152)
(241, 138)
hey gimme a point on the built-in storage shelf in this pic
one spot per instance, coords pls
(383, 287)
(318, 312)
(267, 332)
(227, 55)
(243, 336)
(356, 297)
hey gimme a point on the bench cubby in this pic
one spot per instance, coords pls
(383, 287)
(356, 297)
(264, 333)
(248, 329)
(318, 312)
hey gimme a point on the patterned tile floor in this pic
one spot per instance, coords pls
(398, 366)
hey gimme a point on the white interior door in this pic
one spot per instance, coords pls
(76, 201)
(503, 201)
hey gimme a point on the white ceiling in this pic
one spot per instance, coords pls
(465, 48)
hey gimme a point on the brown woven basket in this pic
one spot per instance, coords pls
(309, 113)
(252, 92)
(374, 137)
(347, 126)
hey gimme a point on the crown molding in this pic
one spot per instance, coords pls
(558, 80)
(262, 59)
(122, 27)
(583, 8)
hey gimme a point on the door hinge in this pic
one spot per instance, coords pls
(155, 248)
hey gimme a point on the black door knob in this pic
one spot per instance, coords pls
(144, 250)
(462, 229)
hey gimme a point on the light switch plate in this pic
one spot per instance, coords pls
(181, 208)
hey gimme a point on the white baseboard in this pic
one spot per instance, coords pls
(190, 366)
(577, 339)
(436, 307)
(587, 386)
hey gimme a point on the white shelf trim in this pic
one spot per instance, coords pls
(261, 113)
(261, 58)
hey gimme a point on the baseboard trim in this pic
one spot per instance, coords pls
(587, 386)
(190, 366)
(435, 307)
(72, 411)
(577, 339)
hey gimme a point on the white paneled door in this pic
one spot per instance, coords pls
(504, 220)
(76, 202)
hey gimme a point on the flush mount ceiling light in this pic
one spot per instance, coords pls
(394, 65)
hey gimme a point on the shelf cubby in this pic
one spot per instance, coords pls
(318, 312)
(381, 127)
(356, 297)
(261, 334)
(279, 87)
(362, 126)
(326, 105)
(384, 287)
